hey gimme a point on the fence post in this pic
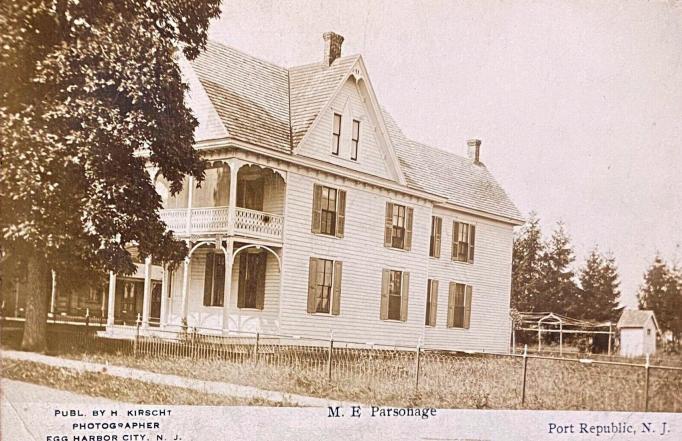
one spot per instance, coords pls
(329, 356)
(255, 349)
(610, 331)
(137, 335)
(525, 369)
(417, 366)
(646, 384)
(87, 317)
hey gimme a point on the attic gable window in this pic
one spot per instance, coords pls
(463, 240)
(355, 140)
(336, 134)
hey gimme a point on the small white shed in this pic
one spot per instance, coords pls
(638, 329)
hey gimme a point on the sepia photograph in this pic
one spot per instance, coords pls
(327, 219)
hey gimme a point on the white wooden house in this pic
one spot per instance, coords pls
(638, 330)
(319, 215)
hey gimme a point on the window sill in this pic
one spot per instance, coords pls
(330, 236)
(398, 249)
(462, 262)
(393, 321)
(323, 314)
(250, 309)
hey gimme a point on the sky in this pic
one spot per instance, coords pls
(578, 103)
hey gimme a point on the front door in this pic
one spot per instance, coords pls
(129, 295)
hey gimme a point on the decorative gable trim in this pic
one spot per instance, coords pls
(359, 74)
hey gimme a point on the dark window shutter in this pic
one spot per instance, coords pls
(455, 239)
(312, 276)
(467, 306)
(438, 232)
(404, 296)
(434, 303)
(340, 212)
(472, 239)
(385, 279)
(218, 279)
(260, 281)
(208, 279)
(241, 291)
(409, 212)
(336, 301)
(316, 226)
(451, 305)
(388, 229)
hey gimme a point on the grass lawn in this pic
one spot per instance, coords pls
(115, 388)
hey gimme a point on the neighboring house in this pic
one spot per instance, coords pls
(638, 330)
(318, 215)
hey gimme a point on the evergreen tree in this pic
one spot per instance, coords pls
(91, 100)
(662, 293)
(598, 298)
(527, 265)
(557, 288)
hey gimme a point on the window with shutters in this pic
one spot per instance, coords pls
(463, 240)
(355, 140)
(395, 287)
(251, 285)
(324, 286)
(336, 134)
(214, 279)
(398, 231)
(329, 211)
(431, 302)
(395, 295)
(459, 305)
(436, 228)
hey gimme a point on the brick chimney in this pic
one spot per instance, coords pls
(474, 150)
(332, 47)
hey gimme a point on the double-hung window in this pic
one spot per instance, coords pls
(463, 240)
(394, 295)
(398, 227)
(459, 305)
(324, 286)
(214, 279)
(336, 134)
(431, 302)
(329, 211)
(434, 243)
(251, 285)
(355, 140)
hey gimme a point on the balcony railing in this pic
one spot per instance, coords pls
(212, 220)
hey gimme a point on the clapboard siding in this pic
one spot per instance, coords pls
(364, 257)
(318, 143)
(246, 320)
(490, 276)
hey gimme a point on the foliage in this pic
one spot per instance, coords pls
(599, 295)
(662, 293)
(91, 105)
(527, 265)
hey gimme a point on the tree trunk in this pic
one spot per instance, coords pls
(37, 295)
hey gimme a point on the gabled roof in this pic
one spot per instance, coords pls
(635, 318)
(273, 107)
(312, 86)
(446, 174)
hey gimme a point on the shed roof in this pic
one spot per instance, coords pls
(635, 318)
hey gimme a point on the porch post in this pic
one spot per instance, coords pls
(235, 165)
(53, 296)
(185, 289)
(111, 299)
(164, 296)
(190, 195)
(228, 250)
(147, 291)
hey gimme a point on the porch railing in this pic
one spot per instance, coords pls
(208, 220)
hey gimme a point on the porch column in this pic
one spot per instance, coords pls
(235, 165)
(111, 299)
(190, 195)
(53, 296)
(229, 248)
(164, 296)
(185, 290)
(147, 291)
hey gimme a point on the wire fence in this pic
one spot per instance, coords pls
(364, 373)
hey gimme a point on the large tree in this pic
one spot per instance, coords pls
(662, 293)
(527, 255)
(599, 294)
(92, 96)
(557, 287)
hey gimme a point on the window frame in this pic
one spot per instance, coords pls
(464, 308)
(396, 227)
(216, 301)
(431, 316)
(463, 251)
(241, 289)
(395, 277)
(329, 216)
(355, 140)
(322, 263)
(336, 136)
(436, 240)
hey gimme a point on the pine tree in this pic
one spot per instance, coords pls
(662, 293)
(599, 294)
(557, 288)
(91, 99)
(527, 265)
